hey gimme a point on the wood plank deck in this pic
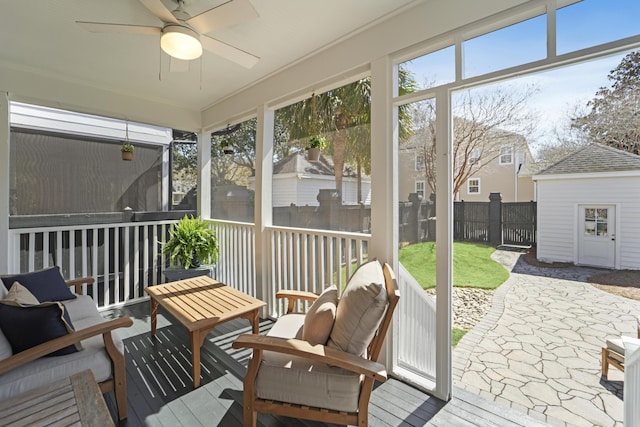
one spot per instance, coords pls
(160, 390)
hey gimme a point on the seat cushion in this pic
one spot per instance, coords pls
(616, 345)
(320, 317)
(292, 379)
(360, 310)
(45, 285)
(49, 369)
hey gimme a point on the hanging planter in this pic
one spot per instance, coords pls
(126, 150)
(316, 144)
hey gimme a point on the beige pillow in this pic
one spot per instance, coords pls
(19, 295)
(318, 321)
(360, 310)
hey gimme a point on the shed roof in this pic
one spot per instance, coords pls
(594, 158)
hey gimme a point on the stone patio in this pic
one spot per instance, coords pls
(538, 348)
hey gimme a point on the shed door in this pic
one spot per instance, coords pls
(596, 235)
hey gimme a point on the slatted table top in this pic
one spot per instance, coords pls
(73, 401)
(202, 302)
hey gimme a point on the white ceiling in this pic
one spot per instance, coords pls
(41, 37)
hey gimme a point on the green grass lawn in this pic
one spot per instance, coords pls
(472, 265)
(456, 336)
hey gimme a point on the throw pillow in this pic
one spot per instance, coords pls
(45, 285)
(19, 295)
(360, 310)
(26, 327)
(318, 321)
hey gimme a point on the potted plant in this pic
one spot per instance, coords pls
(190, 241)
(316, 144)
(127, 151)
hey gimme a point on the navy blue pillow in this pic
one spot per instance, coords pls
(45, 285)
(26, 327)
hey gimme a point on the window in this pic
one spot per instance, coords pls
(420, 188)
(419, 162)
(510, 46)
(506, 155)
(473, 186)
(430, 70)
(474, 156)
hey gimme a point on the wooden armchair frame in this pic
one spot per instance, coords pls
(118, 381)
(612, 357)
(369, 368)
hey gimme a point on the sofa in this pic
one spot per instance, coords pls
(48, 333)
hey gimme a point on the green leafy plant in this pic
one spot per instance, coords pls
(191, 240)
(317, 142)
(127, 148)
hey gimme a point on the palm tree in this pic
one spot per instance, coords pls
(344, 114)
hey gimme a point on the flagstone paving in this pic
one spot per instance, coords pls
(539, 347)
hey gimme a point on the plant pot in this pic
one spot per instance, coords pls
(313, 154)
(127, 155)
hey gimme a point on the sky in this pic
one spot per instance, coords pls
(581, 25)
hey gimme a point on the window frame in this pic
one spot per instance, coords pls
(469, 185)
(419, 165)
(416, 185)
(502, 154)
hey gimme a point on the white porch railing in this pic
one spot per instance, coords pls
(310, 260)
(236, 255)
(123, 258)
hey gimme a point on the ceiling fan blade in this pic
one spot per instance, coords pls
(159, 9)
(103, 27)
(178, 65)
(227, 14)
(229, 52)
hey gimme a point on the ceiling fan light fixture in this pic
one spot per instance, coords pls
(181, 42)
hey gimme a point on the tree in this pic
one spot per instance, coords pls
(614, 116)
(480, 123)
(344, 115)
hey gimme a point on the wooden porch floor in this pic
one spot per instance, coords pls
(160, 390)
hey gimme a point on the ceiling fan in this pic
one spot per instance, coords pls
(182, 36)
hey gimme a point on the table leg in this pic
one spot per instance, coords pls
(197, 338)
(154, 316)
(255, 321)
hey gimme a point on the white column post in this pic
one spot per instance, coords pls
(444, 243)
(5, 245)
(384, 163)
(384, 179)
(204, 174)
(263, 212)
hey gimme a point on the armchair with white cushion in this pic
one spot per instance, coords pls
(317, 366)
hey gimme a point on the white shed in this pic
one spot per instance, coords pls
(298, 181)
(589, 209)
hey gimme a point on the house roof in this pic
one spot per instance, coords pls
(297, 163)
(594, 158)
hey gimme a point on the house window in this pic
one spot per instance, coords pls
(506, 155)
(474, 156)
(473, 186)
(420, 188)
(419, 162)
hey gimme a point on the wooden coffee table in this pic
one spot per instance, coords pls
(200, 304)
(76, 400)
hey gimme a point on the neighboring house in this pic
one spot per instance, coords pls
(297, 181)
(589, 209)
(507, 170)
